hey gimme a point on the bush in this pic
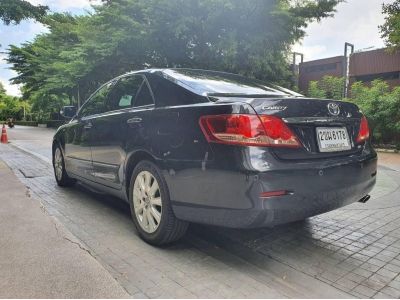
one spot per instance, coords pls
(54, 123)
(382, 108)
(329, 87)
(49, 123)
(26, 123)
(378, 102)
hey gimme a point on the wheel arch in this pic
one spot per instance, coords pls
(55, 144)
(132, 162)
(58, 140)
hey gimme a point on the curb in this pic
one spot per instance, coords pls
(386, 150)
(32, 153)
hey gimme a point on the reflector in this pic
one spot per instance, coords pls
(273, 194)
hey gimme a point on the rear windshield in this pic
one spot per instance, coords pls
(212, 83)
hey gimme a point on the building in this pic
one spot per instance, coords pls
(364, 66)
(316, 69)
(375, 64)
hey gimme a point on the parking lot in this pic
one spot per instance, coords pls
(350, 252)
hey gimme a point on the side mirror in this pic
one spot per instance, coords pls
(68, 112)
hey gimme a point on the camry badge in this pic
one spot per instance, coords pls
(274, 107)
(333, 109)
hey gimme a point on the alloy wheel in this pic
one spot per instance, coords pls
(58, 164)
(147, 201)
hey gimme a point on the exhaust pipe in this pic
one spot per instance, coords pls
(364, 199)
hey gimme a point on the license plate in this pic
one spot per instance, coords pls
(332, 139)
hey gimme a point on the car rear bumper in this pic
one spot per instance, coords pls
(232, 199)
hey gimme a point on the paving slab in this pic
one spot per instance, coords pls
(355, 249)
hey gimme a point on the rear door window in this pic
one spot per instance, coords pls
(144, 96)
(168, 93)
(124, 93)
(96, 103)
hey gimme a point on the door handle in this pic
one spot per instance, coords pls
(88, 125)
(134, 120)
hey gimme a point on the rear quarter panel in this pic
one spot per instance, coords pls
(189, 160)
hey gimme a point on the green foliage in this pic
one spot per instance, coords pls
(329, 87)
(12, 107)
(382, 107)
(2, 89)
(9, 107)
(377, 101)
(45, 105)
(251, 37)
(315, 91)
(14, 11)
(390, 30)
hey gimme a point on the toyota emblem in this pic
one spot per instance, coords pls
(333, 109)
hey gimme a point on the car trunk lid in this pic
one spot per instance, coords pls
(304, 116)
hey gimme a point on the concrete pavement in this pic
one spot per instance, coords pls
(39, 258)
(390, 160)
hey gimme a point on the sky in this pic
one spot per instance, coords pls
(27, 30)
(356, 22)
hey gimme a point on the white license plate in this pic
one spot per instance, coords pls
(332, 139)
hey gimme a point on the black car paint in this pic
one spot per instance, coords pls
(221, 184)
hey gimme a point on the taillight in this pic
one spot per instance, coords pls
(363, 133)
(248, 130)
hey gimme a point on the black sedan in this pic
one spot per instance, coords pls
(183, 145)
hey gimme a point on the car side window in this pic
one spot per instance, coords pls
(144, 96)
(168, 93)
(96, 104)
(124, 92)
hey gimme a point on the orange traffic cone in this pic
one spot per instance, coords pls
(4, 138)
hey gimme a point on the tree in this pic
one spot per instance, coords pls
(9, 107)
(2, 89)
(390, 30)
(43, 66)
(14, 11)
(250, 37)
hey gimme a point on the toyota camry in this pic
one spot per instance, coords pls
(184, 145)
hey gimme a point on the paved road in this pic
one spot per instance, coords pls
(354, 251)
(36, 139)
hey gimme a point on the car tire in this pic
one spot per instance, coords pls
(151, 207)
(60, 173)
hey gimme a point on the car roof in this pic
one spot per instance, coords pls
(234, 83)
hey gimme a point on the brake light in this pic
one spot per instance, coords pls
(363, 133)
(248, 130)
